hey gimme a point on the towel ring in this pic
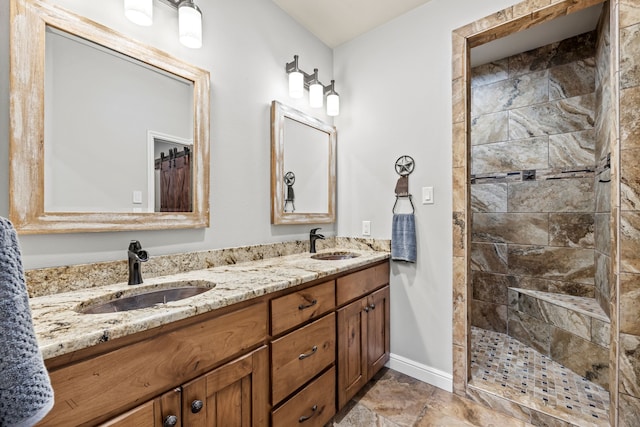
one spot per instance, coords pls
(410, 197)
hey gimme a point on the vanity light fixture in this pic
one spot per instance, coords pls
(139, 11)
(299, 80)
(189, 18)
(316, 91)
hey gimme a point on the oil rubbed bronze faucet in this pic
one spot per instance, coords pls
(313, 236)
(136, 256)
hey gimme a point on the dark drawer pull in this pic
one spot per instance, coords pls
(196, 406)
(313, 350)
(170, 421)
(306, 417)
(304, 307)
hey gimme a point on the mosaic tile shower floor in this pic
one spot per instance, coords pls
(509, 368)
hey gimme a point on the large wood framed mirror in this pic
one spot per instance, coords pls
(303, 167)
(106, 134)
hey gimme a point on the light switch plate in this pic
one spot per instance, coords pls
(366, 228)
(427, 195)
(137, 196)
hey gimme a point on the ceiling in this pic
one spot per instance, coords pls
(337, 21)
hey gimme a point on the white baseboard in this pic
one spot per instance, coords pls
(421, 372)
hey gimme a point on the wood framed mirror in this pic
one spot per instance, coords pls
(86, 143)
(303, 167)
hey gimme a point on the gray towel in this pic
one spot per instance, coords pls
(26, 395)
(403, 238)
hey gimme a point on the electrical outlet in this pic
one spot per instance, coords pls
(366, 228)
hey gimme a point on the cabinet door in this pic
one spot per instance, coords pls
(163, 411)
(234, 395)
(377, 331)
(352, 350)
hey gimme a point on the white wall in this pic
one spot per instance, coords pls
(395, 87)
(245, 47)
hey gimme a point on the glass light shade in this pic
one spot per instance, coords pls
(333, 104)
(139, 11)
(316, 95)
(190, 25)
(296, 84)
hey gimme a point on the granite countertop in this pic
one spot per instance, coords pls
(61, 329)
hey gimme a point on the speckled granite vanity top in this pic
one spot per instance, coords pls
(61, 328)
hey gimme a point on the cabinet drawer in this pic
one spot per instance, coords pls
(355, 285)
(293, 309)
(313, 406)
(300, 355)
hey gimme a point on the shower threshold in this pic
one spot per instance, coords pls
(505, 367)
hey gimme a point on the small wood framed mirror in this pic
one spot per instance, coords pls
(303, 167)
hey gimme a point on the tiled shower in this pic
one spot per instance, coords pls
(540, 240)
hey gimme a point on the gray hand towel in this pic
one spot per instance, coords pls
(403, 238)
(26, 395)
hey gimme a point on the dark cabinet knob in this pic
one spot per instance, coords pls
(170, 421)
(196, 406)
(373, 306)
(366, 309)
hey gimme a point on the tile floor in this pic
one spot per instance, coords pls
(393, 399)
(504, 366)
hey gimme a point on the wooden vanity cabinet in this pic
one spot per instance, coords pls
(280, 360)
(363, 330)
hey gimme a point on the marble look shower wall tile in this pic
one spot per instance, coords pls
(489, 197)
(522, 228)
(458, 90)
(539, 196)
(459, 189)
(525, 7)
(567, 264)
(572, 79)
(459, 234)
(600, 333)
(459, 368)
(629, 380)
(629, 303)
(572, 230)
(491, 287)
(629, 411)
(489, 128)
(630, 242)
(532, 153)
(518, 92)
(459, 151)
(630, 118)
(460, 295)
(567, 115)
(629, 12)
(602, 280)
(489, 257)
(490, 73)
(554, 286)
(630, 56)
(572, 150)
(630, 179)
(569, 350)
(489, 316)
(531, 331)
(569, 320)
(603, 191)
(573, 49)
